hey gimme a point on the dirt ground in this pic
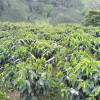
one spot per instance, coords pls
(14, 95)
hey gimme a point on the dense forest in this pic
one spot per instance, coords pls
(49, 11)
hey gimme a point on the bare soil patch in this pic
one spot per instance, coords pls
(14, 95)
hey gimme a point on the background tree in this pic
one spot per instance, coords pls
(92, 18)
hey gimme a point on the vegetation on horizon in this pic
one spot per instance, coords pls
(49, 11)
(92, 18)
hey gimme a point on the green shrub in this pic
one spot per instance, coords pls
(80, 76)
(33, 79)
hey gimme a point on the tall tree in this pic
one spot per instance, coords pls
(92, 18)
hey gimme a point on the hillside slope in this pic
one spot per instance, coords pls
(53, 11)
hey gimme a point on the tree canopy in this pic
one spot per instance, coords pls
(92, 18)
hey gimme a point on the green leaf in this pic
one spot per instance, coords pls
(58, 74)
(91, 84)
(96, 76)
(95, 89)
(41, 82)
(87, 71)
(63, 90)
(84, 68)
(75, 78)
(72, 76)
(43, 74)
(28, 84)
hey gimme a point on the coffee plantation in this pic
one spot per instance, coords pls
(46, 62)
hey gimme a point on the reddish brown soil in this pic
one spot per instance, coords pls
(54, 71)
(14, 95)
